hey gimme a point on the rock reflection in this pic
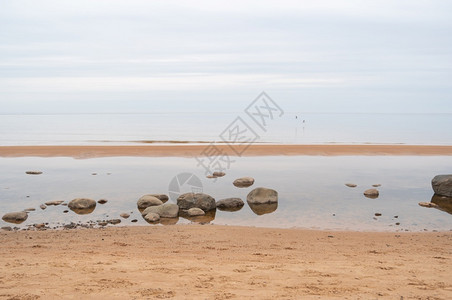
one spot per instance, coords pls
(207, 218)
(262, 209)
(164, 221)
(83, 211)
(444, 203)
(230, 209)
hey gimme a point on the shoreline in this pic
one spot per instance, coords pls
(93, 151)
(224, 262)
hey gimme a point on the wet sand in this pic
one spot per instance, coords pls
(198, 150)
(221, 262)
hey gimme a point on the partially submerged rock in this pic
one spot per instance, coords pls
(194, 211)
(56, 202)
(230, 204)
(124, 215)
(442, 185)
(166, 210)
(262, 196)
(352, 185)
(243, 182)
(42, 206)
(371, 193)
(427, 204)
(29, 209)
(82, 206)
(199, 200)
(15, 217)
(152, 217)
(33, 172)
(102, 201)
(147, 201)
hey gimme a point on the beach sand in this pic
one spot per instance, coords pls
(179, 150)
(222, 262)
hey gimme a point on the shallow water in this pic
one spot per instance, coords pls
(311, 189)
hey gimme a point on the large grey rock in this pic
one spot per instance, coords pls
(199, 200)
(166, 210)
(442, 185)
(243, 182)
(15, 217)
(262, 196)
(147, 201)
(230, 204)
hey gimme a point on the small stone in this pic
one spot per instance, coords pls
(33, 172)
(7, 228)
(428, 204)
(114, 221)
(397, 223)
(371, 193)
(82, 203)
(378, 214)
(243, 182)
(211, 176)
(65, 211)
(219, 174)
(93, 173)
(352, 185)
(194, 211)
(102, 201)
(376, 185)
(396, 217)
(134, 221)
(152, 217)
(39, 226)
(124, 215)
(30, 209)
(102, 223)
(42, 206)
(56, 202)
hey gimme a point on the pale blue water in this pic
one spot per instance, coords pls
(76, 129)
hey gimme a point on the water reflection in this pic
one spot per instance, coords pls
(85, 211)
(444, 203)
(207, 218)
(262, 209)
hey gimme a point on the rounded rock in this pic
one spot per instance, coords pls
(230, 204)
(194, 211)
(199, 200)
(371, 193)
(147, 201)
(243, 182)
(152, 217)
(262, 196)
(166, 210)
(15, 217)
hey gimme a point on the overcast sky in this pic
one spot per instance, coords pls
(148, 56)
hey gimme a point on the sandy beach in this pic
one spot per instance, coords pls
(221, 262)
(179, 150)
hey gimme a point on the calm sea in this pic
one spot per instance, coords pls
(291, 128)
